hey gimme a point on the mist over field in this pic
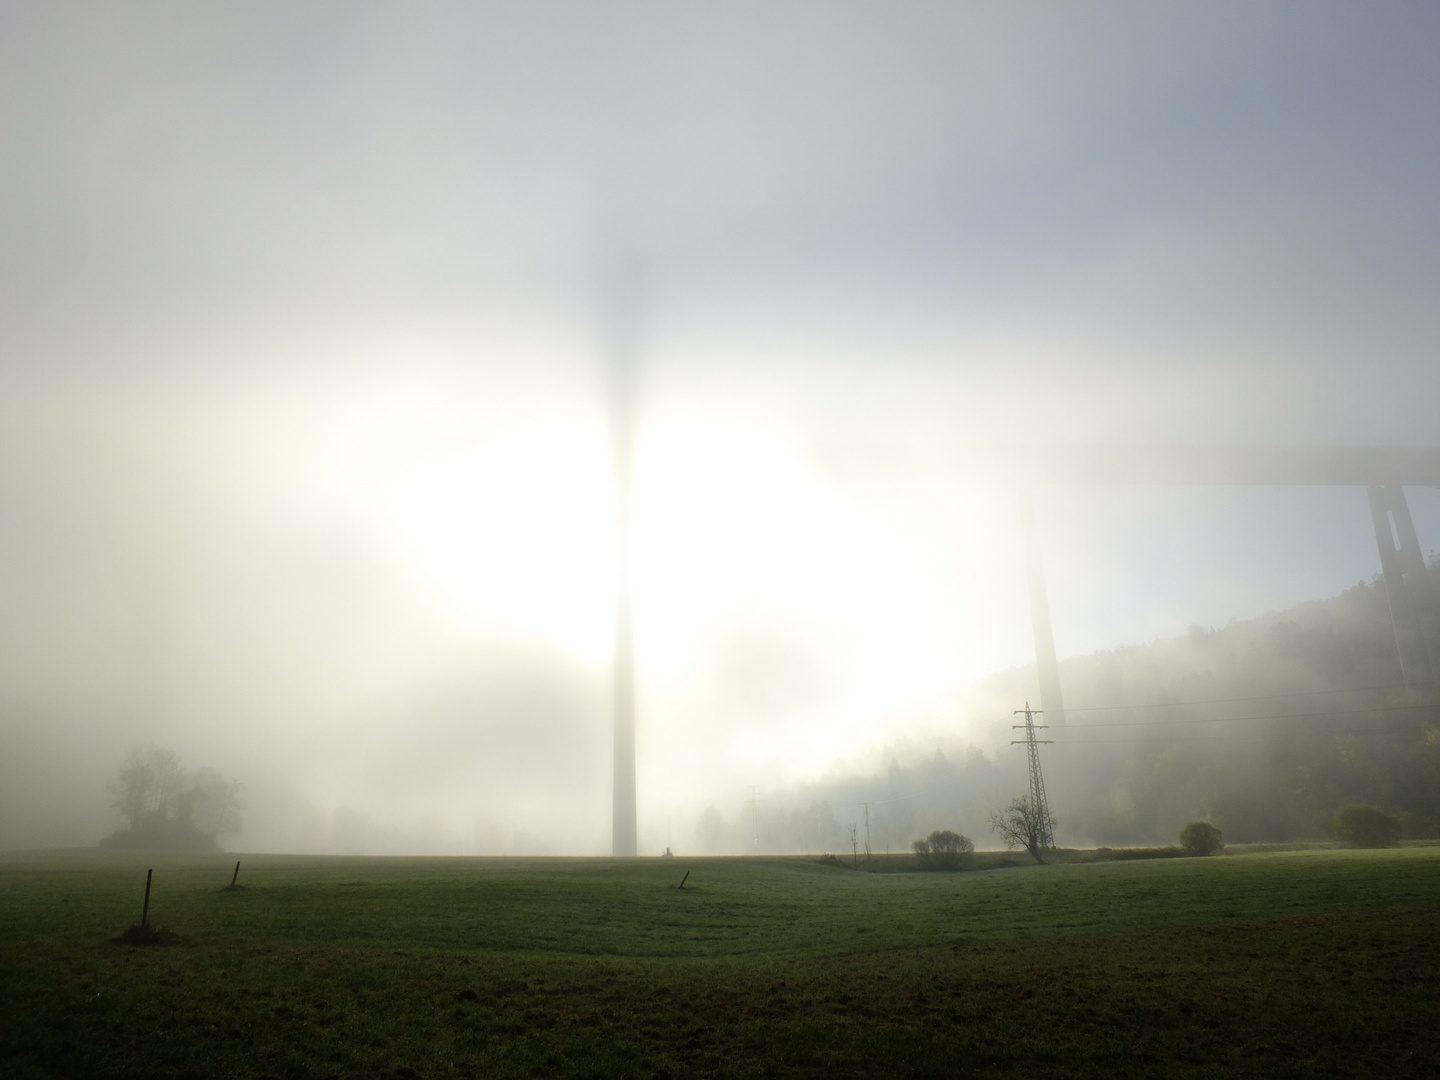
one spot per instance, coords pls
(309, 327)
(1263, 726)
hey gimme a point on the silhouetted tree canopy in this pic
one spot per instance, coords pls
(942, 850)
(1201, 838)
(1365, 826)
(166, 807)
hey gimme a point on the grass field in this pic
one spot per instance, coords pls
(1289, 964)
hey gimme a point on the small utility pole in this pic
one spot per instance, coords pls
(1037, 782)
(145, 910)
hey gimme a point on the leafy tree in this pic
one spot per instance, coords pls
(1201, 838)
(1023, 825)
(942, 850)
(164, 806)
(1367, 827)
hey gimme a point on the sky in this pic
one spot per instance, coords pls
(304, 459)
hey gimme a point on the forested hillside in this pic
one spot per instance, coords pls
(1265, 727)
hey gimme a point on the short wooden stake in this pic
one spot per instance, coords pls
(236, 874)
(145, 911)
(685, 879)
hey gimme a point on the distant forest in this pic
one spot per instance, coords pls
(1265, 727)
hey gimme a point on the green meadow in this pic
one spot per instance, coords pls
(1307, 963)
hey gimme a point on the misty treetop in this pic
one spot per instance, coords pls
(1365, 826)
(1201, 838)
(943, 849)
(1263, 728)
(164, 806)
(1318, 720)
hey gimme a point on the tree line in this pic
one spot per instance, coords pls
(1266, 728)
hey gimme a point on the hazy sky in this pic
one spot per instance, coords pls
(303, 463)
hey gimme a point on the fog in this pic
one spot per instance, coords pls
(307, 336)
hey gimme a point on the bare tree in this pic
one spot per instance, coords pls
(1023, 825)
(854, 847)
(147, 784)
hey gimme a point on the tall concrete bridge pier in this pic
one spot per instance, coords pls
(1383, 471)
(1414, 607)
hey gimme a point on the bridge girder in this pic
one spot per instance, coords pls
(1144, 464)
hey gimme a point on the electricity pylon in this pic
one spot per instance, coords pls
(1037, 782)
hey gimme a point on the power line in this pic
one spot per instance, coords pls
(1147, 724)
(1038, 805)
(1268, 716)
(902, 798)
(1252, 697)
(1292, 733)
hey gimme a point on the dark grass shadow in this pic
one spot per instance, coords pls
(147, 935)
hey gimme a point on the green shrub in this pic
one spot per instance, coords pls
(942, 850)
(1365, 826)
(1201, 838)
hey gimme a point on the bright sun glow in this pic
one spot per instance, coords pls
(729, 524)
(518, 534)
(786, 619)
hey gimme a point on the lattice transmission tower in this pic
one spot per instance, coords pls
(1038, 804)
